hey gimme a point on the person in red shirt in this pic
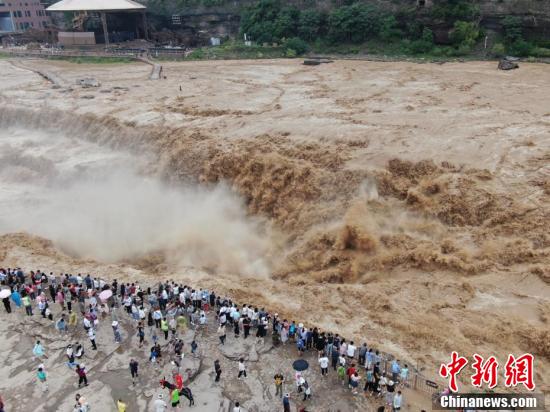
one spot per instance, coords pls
(178, 380)
(350, 372)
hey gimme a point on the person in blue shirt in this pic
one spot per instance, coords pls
(286, 403)
(301, 345)
(16, 297)
(395, 369)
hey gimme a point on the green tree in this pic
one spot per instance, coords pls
(354, 23)
(464, 35)
(286, 23)
(258, 21)
(513, 37)
(520, 47)
(423, 45)
(297, 45)
(309, 25)
(512, 29)
(452, 10)
(389, 28)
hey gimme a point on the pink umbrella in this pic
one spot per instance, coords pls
(106, 294)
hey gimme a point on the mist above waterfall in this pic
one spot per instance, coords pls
(94, 202)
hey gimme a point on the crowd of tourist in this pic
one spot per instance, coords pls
(167, 310)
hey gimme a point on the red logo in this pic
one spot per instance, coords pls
(485, 371)
(520, 370)
(452, 369)
(516, 371)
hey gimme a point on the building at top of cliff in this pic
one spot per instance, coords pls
(103, 21)
(20, 15)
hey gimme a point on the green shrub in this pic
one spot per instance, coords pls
(423, 45)
(309, 24)
(389, 28)
(520, 48)
(290, 53)
(355, 23)
(498, 50)
(297, 45)
(541, 52)
(512, 29)
(439, 51)
(464, 35)
(197, 54)
(453, 10)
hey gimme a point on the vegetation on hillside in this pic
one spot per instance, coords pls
(359, 24)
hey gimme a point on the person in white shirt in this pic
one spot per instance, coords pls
(159, 404)
(222, 319)
(397, 401)
(237, 407)
(354, 382)
(242, 368)
(351, 350)
(323, 361)
(91, 336)
(343, 348)
(342, 360)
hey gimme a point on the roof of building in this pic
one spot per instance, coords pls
(96, 5)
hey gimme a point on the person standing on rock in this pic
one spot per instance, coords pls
(121, 406)
(82, 378)
(7, 304)
(116, 331)
(236, 326)
(16, 297)
(27, 304)
(334, 359)
(307, 391)
(323, 362)
(91, 336)
(157, 317)
(81, 404)
(165, 328)
(61, 325)
(60, 298)
(221, 334)
(41, 375)
(181, 323)
(134, 369)
(38, 350)
(159, 404)
(218, 370)
(397, 401)
(286, 403)
(242, 369)
(72, 319)
(175, 398)
(141, 334)
(246, 326)
(279, 379)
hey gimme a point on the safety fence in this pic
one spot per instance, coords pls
(107, 52)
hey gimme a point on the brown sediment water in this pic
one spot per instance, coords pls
(396, 206)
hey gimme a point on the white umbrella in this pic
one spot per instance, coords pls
(5, 293)
(106, 294)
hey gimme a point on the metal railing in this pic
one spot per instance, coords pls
(107, 52)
